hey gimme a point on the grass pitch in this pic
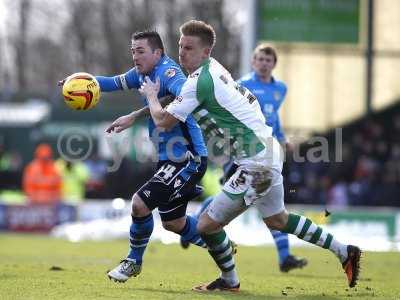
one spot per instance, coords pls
(38, 267)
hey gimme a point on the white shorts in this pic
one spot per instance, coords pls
(257, 181)
(223, 209)
(256, 175)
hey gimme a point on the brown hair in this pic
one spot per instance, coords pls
(200, 29)
(267, 49)
(153, 39)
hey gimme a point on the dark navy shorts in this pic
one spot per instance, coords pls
(172, 186)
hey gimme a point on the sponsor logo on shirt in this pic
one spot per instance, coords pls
(268, 109)
(224, 79)
(277, 96)
(170, 72)
(258, 91)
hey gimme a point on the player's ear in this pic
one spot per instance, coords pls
(158, 52)
(207, 51)
(253, 61)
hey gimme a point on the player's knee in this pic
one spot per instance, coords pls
(175, 225)
(278, 221)
(139, 208)
(207, 225)
(201, 227)
(169, 226)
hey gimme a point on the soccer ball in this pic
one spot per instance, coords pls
(81, 91)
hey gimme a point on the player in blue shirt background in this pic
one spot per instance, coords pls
(270, 92)
(181, 151)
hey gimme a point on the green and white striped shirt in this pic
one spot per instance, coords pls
(223, 108)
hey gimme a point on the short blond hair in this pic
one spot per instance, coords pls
(200, 29)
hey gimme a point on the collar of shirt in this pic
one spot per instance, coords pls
(161, 61)
(203, 63)
(257, 78)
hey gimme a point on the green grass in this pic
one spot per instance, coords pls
(169, 273)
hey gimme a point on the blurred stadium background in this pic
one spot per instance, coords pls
(339, 58)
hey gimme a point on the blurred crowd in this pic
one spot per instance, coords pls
(47, 180)
(368, 175)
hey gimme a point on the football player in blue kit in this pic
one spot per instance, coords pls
(182, 155)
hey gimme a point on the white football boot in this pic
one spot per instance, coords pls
(126, 269)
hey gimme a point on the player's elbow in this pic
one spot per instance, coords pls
(164, 122)
(164, 125)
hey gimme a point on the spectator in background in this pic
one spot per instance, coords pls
(120, 182)
(41, 179)
(4, 159)
(10, 169)
(96, 183)
(338, 195)
(74, 177)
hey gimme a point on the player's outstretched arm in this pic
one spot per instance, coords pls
(122, 123)
(127, 121)
(145, 111)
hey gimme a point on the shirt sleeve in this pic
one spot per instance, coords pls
(283, 91)
(280, 135)
(126, 81)
(174, 80)
(185, 103)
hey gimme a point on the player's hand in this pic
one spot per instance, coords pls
(122, 123)
(61, 82)
(150, 88)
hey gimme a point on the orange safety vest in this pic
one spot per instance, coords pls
(42, 182)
